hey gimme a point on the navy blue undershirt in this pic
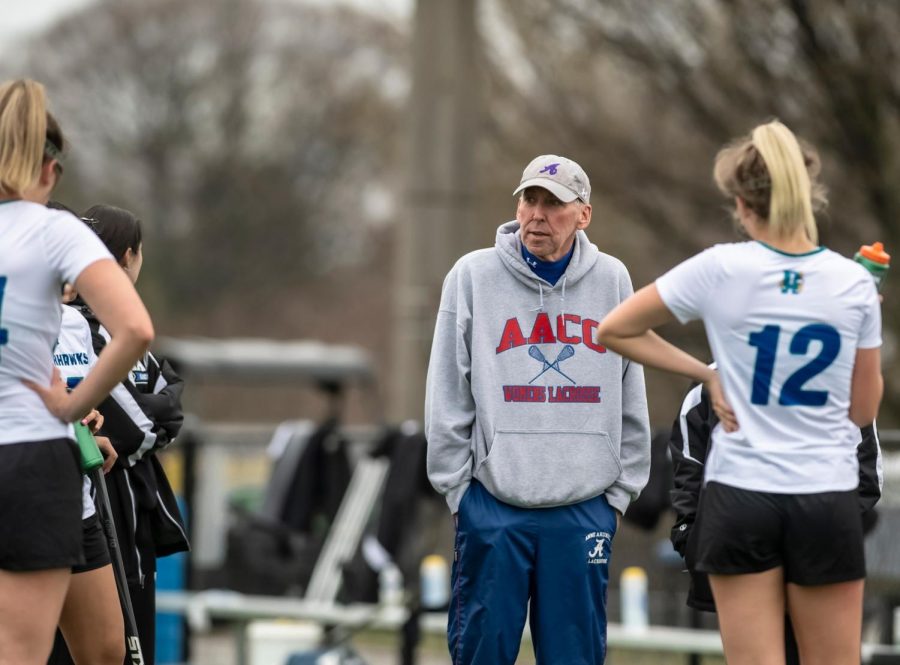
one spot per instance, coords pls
(548, 270)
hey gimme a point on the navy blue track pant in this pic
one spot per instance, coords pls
(558, 558)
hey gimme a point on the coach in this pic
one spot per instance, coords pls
(537, 437)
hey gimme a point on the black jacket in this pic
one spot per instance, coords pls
(142, 416)
(689, 446)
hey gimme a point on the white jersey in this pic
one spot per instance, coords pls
(784, 330)
(40, 249)
(74, 356)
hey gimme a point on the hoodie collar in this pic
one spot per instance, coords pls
(509, 246)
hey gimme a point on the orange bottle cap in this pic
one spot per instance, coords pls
(875, 252)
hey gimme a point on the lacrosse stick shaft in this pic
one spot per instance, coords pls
(132, 639)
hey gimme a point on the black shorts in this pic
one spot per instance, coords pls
(816, 538)
(40, 504)
(96, 551)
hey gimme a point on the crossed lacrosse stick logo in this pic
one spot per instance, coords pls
(567, 352)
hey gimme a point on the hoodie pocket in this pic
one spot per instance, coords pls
(549, 467)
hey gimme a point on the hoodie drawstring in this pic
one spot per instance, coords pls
(539, 308)
(562, 295)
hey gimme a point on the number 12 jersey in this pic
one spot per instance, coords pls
(784, 330)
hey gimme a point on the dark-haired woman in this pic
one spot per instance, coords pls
(795, 330)
(141, 417)
(91, 618)
(40, 478)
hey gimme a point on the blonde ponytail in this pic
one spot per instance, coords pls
(790, 205)
(775, 175)
(23, 133)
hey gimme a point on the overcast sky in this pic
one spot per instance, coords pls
(21, 17)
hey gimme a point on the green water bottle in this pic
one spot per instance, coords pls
(91, 457)
(874, 259)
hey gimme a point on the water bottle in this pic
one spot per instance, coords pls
(91, 457)
(390, 585)
(874, 259)
(434, 576)
(633, 599)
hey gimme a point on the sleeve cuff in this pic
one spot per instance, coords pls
(618, 498)
(454, 496)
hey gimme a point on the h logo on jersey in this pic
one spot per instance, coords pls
(792, 282)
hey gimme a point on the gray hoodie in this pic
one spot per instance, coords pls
(518, 394)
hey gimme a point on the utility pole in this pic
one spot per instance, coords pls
(435, 227)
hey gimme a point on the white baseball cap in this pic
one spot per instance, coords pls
(565, 179)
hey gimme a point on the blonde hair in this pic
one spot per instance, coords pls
(25, 129)
(775, 175)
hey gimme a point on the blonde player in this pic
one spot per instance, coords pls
(40, 479)
(796, 331)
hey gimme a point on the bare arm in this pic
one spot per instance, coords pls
(627, 330)
(866, 387)
(108, 291)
